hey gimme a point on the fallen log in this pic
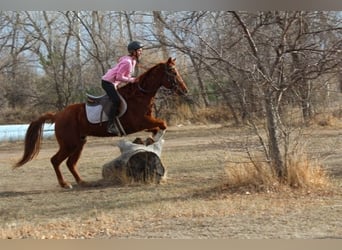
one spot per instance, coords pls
(139, 162)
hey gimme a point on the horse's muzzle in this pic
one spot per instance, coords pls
(182, 91)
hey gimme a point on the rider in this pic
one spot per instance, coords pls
(120, 74)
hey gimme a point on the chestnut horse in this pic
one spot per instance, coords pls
(72, 126)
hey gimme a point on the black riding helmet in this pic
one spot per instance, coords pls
(132, 46)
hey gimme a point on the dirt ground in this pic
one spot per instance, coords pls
(189, 204)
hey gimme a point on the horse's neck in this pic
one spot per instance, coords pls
(148, 84)
(135, 90)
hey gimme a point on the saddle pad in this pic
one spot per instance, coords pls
(95, 114)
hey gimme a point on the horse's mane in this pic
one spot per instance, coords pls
(130, 88)
(143, 76)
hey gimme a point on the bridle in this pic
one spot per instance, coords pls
(171, 78)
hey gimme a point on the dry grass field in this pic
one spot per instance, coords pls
(194, 201)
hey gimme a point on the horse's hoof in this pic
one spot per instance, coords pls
(66, 185)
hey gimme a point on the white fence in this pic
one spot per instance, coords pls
(18, 132)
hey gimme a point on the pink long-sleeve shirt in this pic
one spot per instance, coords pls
(122, 72)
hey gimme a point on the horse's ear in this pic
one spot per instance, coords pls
(171, 61)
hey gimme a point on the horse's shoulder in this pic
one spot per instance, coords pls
(124, 90)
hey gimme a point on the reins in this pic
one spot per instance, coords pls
(146, 91)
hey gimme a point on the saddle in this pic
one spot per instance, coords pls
(98, 108)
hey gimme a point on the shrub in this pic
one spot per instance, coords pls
(302, 173)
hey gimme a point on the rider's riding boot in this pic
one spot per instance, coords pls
(112, 128)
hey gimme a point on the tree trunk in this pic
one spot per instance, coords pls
(272, 129)
(129, 30)
(160, 32)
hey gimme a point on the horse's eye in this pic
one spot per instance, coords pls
(172, 71)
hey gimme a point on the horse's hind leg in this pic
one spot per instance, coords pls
(56, 161)
(72, 161)
(73, 154)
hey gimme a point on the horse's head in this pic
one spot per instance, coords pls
(162, 74)
(171, 78)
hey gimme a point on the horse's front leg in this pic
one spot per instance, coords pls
(154, 125)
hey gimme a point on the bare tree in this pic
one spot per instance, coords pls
(159, 21)
(53, 50)
(15, 66)
(285, 58)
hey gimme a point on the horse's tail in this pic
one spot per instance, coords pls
(33, 138)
